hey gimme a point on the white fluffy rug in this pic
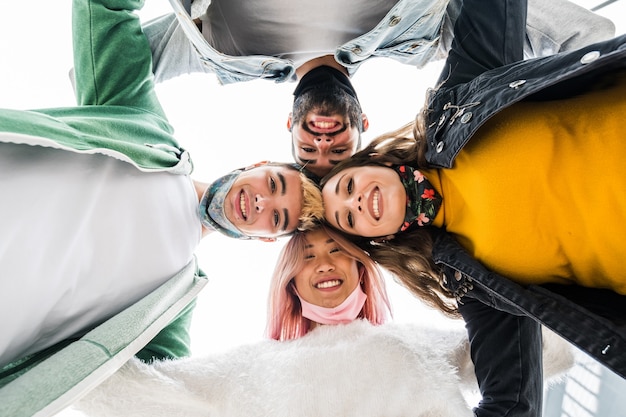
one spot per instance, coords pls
(355, 370)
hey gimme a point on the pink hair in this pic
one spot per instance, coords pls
(285, 319)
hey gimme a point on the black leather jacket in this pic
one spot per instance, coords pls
(475, 89)
(592, 319)
(484, 74)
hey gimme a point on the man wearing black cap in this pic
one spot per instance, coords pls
(283, 40)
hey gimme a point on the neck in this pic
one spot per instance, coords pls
(200, 188)
(327, 60)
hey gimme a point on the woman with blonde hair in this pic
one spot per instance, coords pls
(322, 278)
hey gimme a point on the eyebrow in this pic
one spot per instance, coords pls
(337, 220)
(328, 242)
(338, 181)
(286, 222)
(283, 183)
(312, 161)
(307, 161)
(283, 191)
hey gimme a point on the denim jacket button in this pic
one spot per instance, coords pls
(357, 50)
(395, 20)
(589, 57)
(439, 146)
(466, 117)
(457, 275)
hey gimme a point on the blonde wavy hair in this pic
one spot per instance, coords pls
(312, 207)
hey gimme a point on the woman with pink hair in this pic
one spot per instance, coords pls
(322, 278)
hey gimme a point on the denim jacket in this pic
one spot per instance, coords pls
(413, 32)
(409, 33)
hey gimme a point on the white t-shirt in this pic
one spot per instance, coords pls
(81, 238)
(296, 30)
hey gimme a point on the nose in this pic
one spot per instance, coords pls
(356, 202)
(325, 265)
(259, 203)
(324, 142)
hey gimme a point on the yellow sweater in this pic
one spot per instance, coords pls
(540, 196)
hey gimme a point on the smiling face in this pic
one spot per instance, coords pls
(365, 201)
(326, 127)
(265, 201)
(328, 275)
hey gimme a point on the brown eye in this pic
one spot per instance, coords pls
(276, 218)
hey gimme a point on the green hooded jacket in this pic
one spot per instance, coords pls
(118, 115)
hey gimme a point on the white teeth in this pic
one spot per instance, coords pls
(324, 125)
(375, 204)
(242, 206)
(328, 284)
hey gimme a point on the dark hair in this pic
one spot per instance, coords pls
(407, 255)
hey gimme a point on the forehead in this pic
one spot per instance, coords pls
(316, 237)
(263, 170)
(330, 186)
(368, 171)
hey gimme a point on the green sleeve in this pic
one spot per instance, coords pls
(112, 58)
(173, 341)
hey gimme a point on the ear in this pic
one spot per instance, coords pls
(361, 270)
(258, 164)
(366, 122)
(289, 121)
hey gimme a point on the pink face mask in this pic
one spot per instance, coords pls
(344, 313)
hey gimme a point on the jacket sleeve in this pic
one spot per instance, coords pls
(173, 54)
(562, 25)
(487, 34)
(506, 351)
(173, 342)
(112, 58)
